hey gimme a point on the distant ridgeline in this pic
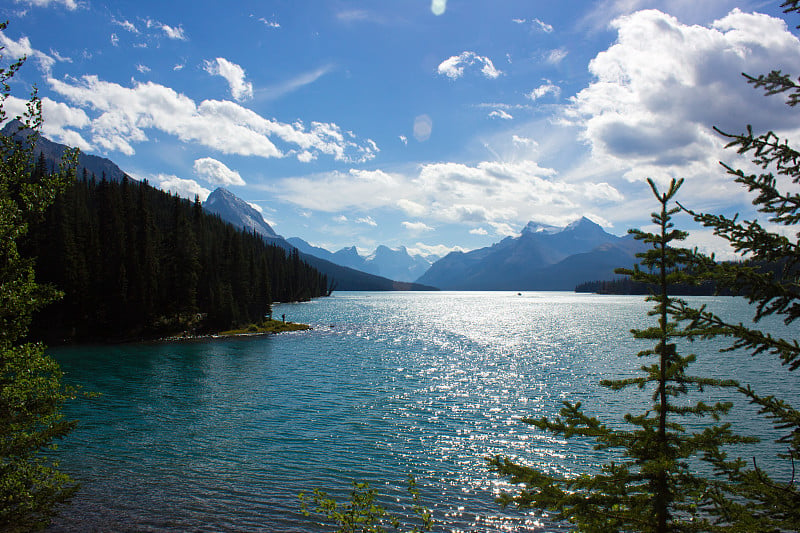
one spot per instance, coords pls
(624, 285)
(136, 262)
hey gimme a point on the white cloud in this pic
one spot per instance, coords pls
(216, 172)
(542, 26)
(663, 85)
(536, 24)
(274, 92)
(256, 207)
(556, 56)
(114, 39)
(369, 221)
(178, 66)
(516, 139)
(58, 57)
(416, 227)
(181, 187)
(126, 25)
(438, 250)
(403, 139)
(123, 114)
(453, 67)
(58, 118)
(144, 69)
(438, 7)
(499, 113)
(543, 90)
(69, 4)
(269, 23)
(497, 194)
(233, 74)
(412, 208)
(174, 32)
(478, 231)
(16, 49)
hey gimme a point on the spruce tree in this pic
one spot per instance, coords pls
(770, 280)
(654, 482)
(31, 391)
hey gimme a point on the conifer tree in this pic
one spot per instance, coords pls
(31, 391)
(654, 485)
(770, 280)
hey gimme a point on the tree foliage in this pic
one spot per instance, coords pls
(137, 262)
(655, 484)
(31, 391)
(768, 504)
(363, 514)
(650, 488)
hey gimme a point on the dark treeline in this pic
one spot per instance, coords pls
(625, 285)
(136, 262)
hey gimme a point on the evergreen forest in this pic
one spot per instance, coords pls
(135, 262)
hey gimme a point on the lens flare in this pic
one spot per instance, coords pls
(423, 125)
(438, 7)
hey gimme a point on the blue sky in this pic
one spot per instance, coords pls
(433, 125)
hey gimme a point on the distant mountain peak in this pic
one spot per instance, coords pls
(582, 222)
(232, 208)
(537, 227)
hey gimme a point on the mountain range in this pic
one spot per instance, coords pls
(396, 264)
(239, 213)
(541, 258)
(53, 152)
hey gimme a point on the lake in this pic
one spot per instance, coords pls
(222, 435)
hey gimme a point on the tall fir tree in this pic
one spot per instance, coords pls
(31, 390)
(770, 280)
(655, 484)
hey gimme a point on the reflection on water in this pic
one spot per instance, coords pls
(223, 435)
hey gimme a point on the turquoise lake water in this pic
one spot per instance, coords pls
(222, 435)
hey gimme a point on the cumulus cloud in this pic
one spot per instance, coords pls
(59, 119)
(497, 194)
(181, 187)
(478, 231)
(123, 114)
(144, 69)
(216, 172)
(174, 32)
(233, 74)
(662, 85)
(453, 67)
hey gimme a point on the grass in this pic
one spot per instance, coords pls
(266, 327)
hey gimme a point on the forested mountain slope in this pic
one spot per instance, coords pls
(134, 261)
